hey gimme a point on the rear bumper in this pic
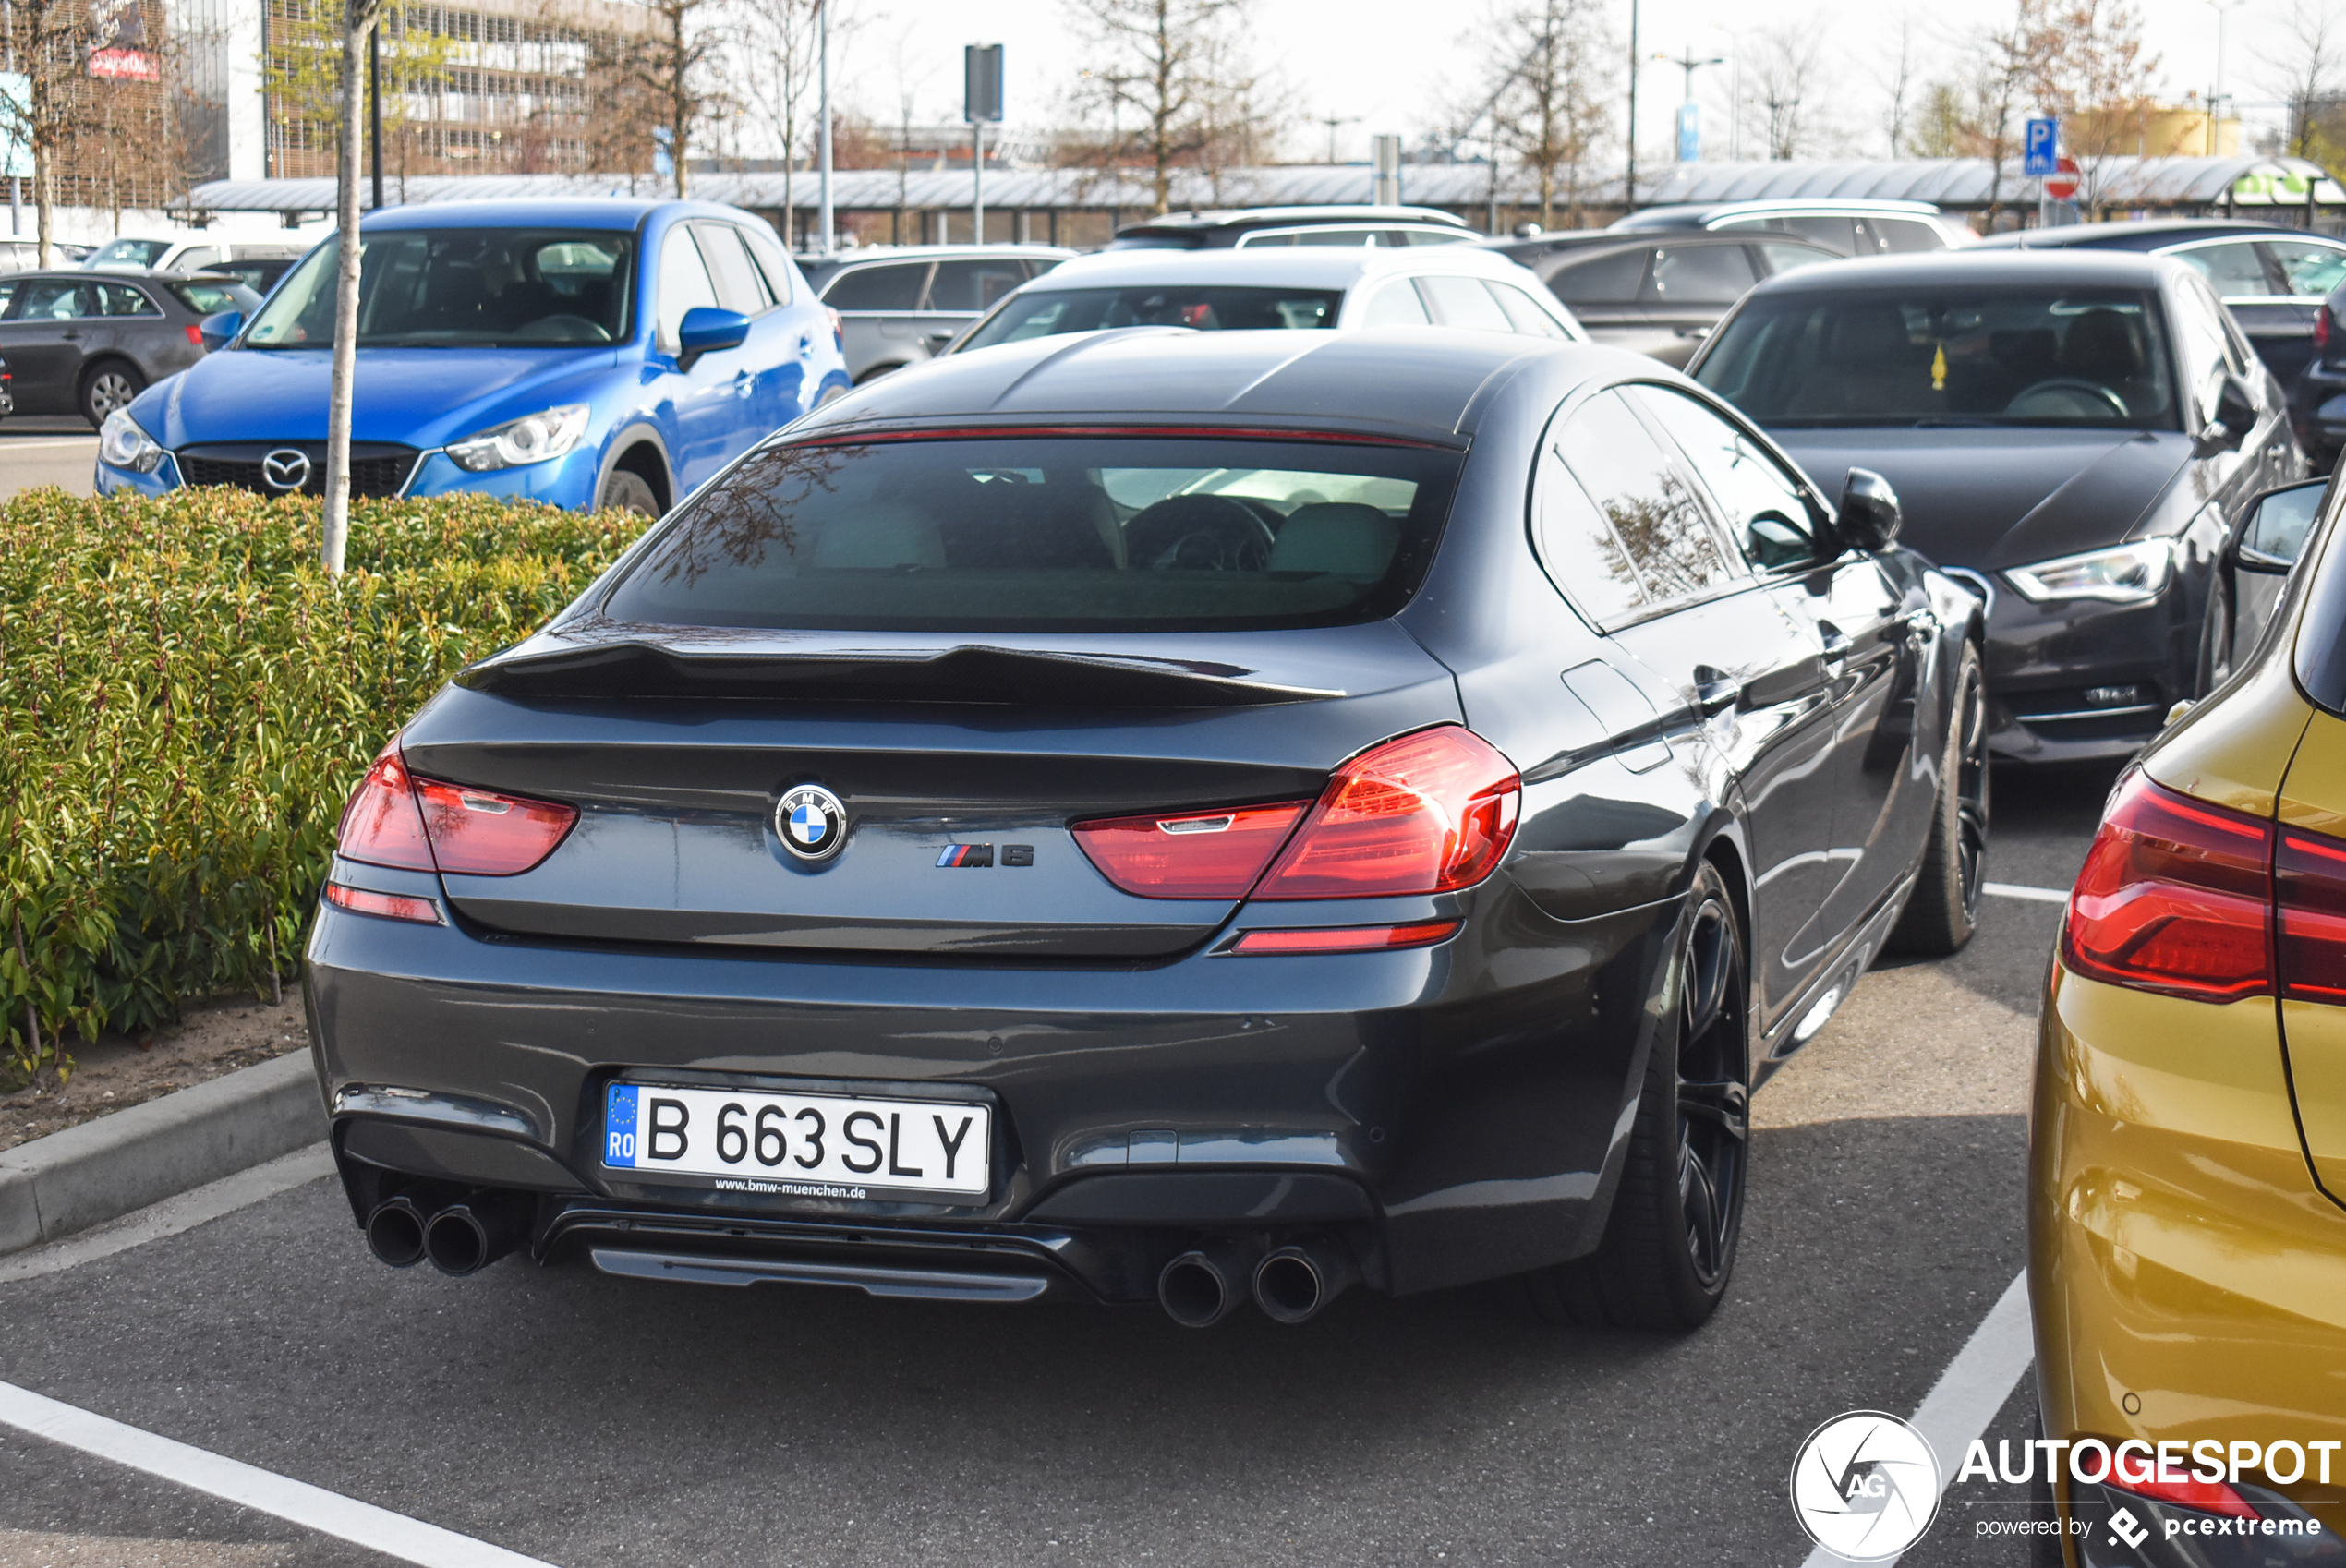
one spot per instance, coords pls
(2188, 1279)
(1458, 1111)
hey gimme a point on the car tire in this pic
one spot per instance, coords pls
(1943, 910)
(1669, 1242)
(108, 385)
(874, 374)
(2216, 630)
(831, 394)
(626, 490)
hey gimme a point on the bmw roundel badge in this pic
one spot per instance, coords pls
(811, 822)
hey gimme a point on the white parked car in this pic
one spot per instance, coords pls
(1302, 287)
(190, 253)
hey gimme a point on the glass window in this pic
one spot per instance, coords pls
(1395, 305)
(1428, 236)
(1611, 278)
(1583, 557)
(2017, 356)
(2311, 270)
(1206, 307)
(773, 266)
(1048, 533)
(1464, 302)
(1524, 312)
(738, 284)
(1778, 257)
(131, 253)
(121, 300)
(449, 288)
(7, 293)
(899, 287)
(1337, 236)
(684, 283)
(204, 298)
(1834, 232)
(197, 258)
(2235, 269)
(972, 286)
(2199, 333)
(1697, 274)
(53, 299)
(1760, 502)
(1907, 234)
(1669, 539)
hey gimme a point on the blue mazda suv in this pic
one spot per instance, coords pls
(591, 353)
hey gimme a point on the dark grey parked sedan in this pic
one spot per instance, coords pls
(87, 343)
(1162, 816)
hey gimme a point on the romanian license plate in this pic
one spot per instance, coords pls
(800, 1145)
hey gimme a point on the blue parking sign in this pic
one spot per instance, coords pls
(2043, 149)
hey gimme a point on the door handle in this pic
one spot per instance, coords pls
(70, 337)
(1836, 650)
(1921, 625)
(1715, 691)
(744, 383)
(805, 345)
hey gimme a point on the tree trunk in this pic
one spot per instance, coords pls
(335, 534)
(42, 202)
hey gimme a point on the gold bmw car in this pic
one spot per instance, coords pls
(2187, 1154)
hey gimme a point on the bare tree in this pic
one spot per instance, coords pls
(1978, 115)
(780, 46)
(2305, 71)
(1899, 64)
(1181, 67)
(1546, 73)
(2089, 69)
(1785, 68)
(677, 61)
(49, 40)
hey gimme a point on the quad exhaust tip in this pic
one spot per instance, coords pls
(1291, 1283)
(395, 1232)
(457, 1238)
(1199, 1288)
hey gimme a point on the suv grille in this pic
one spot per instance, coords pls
(377, 468)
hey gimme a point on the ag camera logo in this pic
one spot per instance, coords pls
(1865, 1486)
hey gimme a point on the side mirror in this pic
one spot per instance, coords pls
(2235, 415)
(1869, 514)
(2272, 530)
(220, 328)
(704, 329)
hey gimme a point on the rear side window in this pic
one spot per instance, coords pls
(1396, 305)
(1049, 533)
(771, 264)
(1697, 274)
(1205, 307)
(1601, 279)
(1464, 302)
(2312, 270)
(53, 299)
(1669, 541)
(2237, 269)
(1779, 257)
(1907, 234)
(121, 300)
(1527, 317)
(205, 298)
(738, 285)
(1761, 503)
(1833, 232)
(973, 286)
(879, 289)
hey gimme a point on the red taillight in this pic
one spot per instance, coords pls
(1211, 854)
(195, 333)
(2209, 1497)
(2176, 897)
(396, 818)
(1348, 938)
(1428, 813)
(390, 906)
(838, 327)
(2322, 325)
(2310, 880)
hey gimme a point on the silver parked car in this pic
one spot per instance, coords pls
(901, 305)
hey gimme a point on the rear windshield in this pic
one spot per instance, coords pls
(1969, 355)
(204, 297)
(1207, 308)
(1049, 533)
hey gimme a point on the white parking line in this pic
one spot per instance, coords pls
(1970, 1392)
(2034, 895)
(362, 1524)
(28, 446)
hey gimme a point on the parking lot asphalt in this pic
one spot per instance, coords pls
(37, 449)
(586, 1421)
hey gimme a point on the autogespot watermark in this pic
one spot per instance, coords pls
(1865, 1485)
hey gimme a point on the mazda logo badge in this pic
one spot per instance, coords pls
(810, 822)
(286, 469)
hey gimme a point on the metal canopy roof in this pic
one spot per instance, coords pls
(1962, 183)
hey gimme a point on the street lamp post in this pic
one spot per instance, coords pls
(823, 97)
(2224, 8)
(1630, 186)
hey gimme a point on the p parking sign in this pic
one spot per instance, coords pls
(2042, 149)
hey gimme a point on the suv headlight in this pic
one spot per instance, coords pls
(536, 438)
(2121, 574)
(121, 444)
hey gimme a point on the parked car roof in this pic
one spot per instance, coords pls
(1576, 240)
(821, 268)
(2148, 235)
(1300, 267)
(2085, 268)
(587, 212)
(1695, 214)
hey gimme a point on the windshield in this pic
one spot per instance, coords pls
(1049, 533)
(203, 297)
(1208, 307)
(1963, 356)
(462, 288)
(131, 253)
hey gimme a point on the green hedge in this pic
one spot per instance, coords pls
(185, 701)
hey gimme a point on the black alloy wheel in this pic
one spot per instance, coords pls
(1669, 1245)
(1943, 910)
(626, 490)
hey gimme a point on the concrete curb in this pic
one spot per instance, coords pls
(103, 1169)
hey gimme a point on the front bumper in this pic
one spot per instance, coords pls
(1455, 1112)
(2080, 680)
(2188, 1279)
(567, 481)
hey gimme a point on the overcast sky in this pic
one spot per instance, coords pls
(1391, 66)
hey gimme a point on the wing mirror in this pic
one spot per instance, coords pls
(2272, 531)
(1869, 514)
(220, 328)
(704, 329)
(2235, 415)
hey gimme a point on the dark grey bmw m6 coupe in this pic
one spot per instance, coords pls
(1163, 816)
